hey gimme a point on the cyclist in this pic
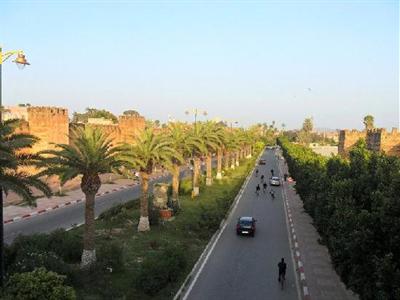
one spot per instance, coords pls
(258, 189)
(272, 172)
(265, 186)
(256, 172)
(272, 193)
(282, 270)
(262, 178)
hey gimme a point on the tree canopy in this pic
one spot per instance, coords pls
(368, 122)
(93, 113)
(355, 206)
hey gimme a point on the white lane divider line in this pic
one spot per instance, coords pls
(217, 238)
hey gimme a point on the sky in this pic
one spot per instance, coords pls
(244, 61)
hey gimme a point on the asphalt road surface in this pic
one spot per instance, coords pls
(244, 267)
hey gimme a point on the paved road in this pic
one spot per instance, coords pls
(242, 267)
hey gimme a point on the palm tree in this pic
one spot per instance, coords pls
(212, 133)
(231, 146)
(14, 158)
(183, 144)
(221, 151)
(199, 149)
(89, 154)
(149, 151)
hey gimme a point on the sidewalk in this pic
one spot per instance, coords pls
(12, 213)
(318, 278)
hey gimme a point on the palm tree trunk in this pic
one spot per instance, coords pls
(196, 175)
(209, 170)
(226, 160)
(90, 184)
(233, 159)
(89, 252)
(219, 164)
(144, 224)
(175, 182)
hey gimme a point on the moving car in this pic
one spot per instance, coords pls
(262, 162)
(246, 225)
(275, 181)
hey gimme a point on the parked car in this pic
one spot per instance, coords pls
(262, 162)
(246, 225)
(275, 181)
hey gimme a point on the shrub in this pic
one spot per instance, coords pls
(110, 255)
(29, 261)
(185, 187)
(67, 245)
(159, 269)
(39, 284)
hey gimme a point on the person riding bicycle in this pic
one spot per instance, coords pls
(258, 189)
(282, 269)
(272, 172)
(262, 177)
(256, 172)
(272, 193)
(265, 186)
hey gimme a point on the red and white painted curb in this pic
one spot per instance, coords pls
(61, 205)
(296, 249)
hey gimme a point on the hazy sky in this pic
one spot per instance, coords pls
(250, 61)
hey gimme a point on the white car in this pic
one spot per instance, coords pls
(275, 181)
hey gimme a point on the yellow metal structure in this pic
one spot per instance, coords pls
(6, 55)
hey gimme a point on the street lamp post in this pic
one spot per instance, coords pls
(21, 63)
(195, 112)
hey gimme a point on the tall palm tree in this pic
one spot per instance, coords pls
(149, 150)
(221, 151)
(90, 154)
(231, 146)
(183, 144)
(14, 158)
(199, 149)
(212, 139)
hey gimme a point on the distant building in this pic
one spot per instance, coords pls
(100, 121)
(15, 112)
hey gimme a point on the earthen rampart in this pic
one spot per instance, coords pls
(347, 139)
(377, 139)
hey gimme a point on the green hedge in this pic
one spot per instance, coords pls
(356, 208)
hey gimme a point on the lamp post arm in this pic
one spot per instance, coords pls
(6, 55)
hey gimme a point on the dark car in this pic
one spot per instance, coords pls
(262, 162)
(246, 225)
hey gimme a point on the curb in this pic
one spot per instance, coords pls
(61, 205)
(181, 292)
(296, 248)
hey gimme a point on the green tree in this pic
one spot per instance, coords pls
(131, 112)
(149, 150)
(183, 144)
(37, 285)
(368, 122)
(13, 160)
(90, 154)
(304, 136)
(93, 113)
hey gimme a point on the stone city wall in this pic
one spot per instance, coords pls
(51, 125)
(347, 139)
(377, 139)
